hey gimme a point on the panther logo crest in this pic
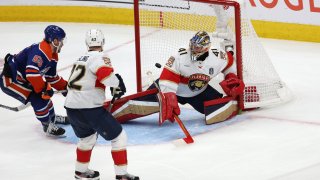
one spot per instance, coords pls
(198, 81)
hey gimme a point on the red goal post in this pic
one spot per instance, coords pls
(162, 26)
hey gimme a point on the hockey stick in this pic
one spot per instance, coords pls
(24, 106)
(111, 103)
(16, 109)
(188, 139)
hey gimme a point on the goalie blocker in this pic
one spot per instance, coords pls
(146, 103)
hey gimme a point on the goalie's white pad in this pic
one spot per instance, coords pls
(221, 109)
(135, 106)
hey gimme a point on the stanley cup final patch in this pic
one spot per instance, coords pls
(198, 81)
(211, 71)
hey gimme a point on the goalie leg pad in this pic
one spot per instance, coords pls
(135, 106)
(221, 109)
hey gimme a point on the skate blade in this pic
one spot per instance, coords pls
(55, 137)
(97, 178)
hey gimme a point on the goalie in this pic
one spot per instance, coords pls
(185, 80)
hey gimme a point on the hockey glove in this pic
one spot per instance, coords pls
(6, 68)
(47, 92)
(169, 107)
(232, 85)
(65, 91)
(120, 90)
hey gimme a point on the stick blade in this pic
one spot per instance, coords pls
(188, 140)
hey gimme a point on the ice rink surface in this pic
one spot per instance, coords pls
(274, 143)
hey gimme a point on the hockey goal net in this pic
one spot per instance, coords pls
(163, 26)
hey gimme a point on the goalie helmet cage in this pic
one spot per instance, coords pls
(164, 26)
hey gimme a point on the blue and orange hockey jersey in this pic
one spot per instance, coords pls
(36, 65)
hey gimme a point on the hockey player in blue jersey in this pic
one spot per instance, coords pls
(30, 75)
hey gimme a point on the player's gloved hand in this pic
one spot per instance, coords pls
(47, 92)
(169, 107)
(232, 85)
(120, 90)
(65, 91)
(6, 68)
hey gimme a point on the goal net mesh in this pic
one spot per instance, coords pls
(167, 25)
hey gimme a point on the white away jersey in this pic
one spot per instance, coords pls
(189, 78)
(90, 75)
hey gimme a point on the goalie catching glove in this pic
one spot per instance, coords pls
(232, 85)
(120, 90)
(169, 106)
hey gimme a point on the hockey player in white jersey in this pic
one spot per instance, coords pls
(90, 74)
(186, 75)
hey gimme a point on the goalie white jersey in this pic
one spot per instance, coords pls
(90, 75)
(189, 78)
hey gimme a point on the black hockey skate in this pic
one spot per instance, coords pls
(61, 120)
(127, 177)
(88, 175)
(52, 129)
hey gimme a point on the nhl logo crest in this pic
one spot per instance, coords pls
(198, 81)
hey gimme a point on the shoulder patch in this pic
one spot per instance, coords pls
(223, 55)
(170, 61)
(107, 61)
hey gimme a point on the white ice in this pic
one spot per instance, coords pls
(276, 143)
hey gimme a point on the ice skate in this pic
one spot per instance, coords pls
(61, 120)
(88, 175)
(53, 130)
(127, 177)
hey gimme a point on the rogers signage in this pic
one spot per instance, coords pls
(292, 11)
(289, 11)
(291, 4)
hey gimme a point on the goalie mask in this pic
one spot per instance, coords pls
(199, 44)
(94, 38)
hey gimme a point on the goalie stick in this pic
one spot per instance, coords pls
(188, 139)
(24, 106)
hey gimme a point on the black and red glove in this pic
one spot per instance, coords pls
(120, 90)
(232, 85)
